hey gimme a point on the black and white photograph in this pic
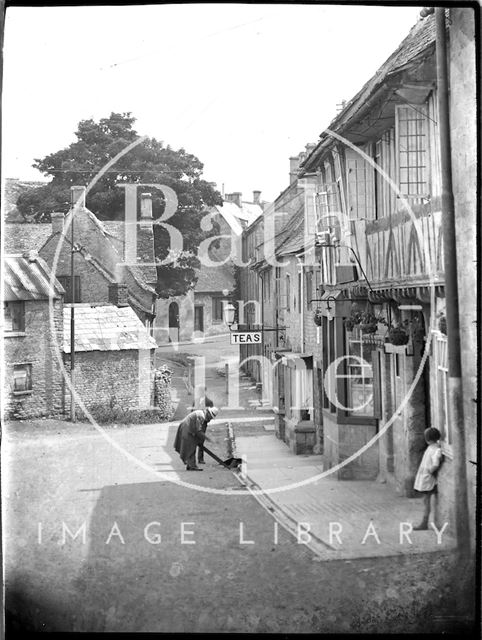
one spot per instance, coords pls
(239, 271)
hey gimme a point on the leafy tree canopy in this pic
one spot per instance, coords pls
(148, 162)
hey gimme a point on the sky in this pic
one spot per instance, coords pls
(242, 87)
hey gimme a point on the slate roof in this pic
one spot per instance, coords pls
(106, 328)
(291, 237)
(27, 277)
(215, 279)
(19, 237)
(419, 42)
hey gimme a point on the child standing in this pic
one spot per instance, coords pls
(426, 480)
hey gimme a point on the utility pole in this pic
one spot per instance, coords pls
(455, 406)
(72, 310)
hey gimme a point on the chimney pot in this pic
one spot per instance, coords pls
(78, 197)
(256, 196)
(294, 164)
(57, 222)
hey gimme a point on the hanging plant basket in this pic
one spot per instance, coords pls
(317, 317)
(442, 325)
(397, 336)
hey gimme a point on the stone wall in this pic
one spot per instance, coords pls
(36, 346)
(113, 378)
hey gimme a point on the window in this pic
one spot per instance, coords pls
(14, 316)
(361, 183)
(217, 309)
(65, 281)
(309, 289)
(22, 378)
(328, 346)
(412, 147)
(385, 199)
(300, 284)
(288, 293)
(267, 285)
(359, 376)
(441, 390)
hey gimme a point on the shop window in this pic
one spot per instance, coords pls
(359, 377)
(14, 317)
(328, 332)
(22, 378)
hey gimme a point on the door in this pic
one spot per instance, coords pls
(174, 322)
(198, 318)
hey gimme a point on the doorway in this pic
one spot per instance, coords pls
(174, 322)
(199, 318)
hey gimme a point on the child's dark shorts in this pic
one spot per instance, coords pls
(427, 493)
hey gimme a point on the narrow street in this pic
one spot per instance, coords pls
(101, 523)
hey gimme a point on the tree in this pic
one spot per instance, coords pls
(148, 162)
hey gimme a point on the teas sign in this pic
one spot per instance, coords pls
(249, 337)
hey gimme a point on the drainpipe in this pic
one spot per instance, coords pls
(455, 407)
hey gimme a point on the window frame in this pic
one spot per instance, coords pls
(29, 378)
(217, 301)
(20, 314)
(65, 281)
(423, 110)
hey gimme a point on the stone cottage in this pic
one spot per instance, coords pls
(114, 357)
(32, 338)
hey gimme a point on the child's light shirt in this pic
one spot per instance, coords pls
(426, 481)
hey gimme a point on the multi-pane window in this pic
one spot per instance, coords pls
(22, 378)
(66, 282)
(361, 185)
(385, 157)
(217, 309)
(288, 293)
(309, 289)
(359, 376)
(441, 382)
(14, 316)
(413, 158)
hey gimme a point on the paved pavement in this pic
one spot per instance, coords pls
(366, 517)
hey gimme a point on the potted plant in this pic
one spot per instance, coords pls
(442, 324)
(397, 335)
(353, 320)
(369, 322)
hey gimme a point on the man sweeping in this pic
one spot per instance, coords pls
(191, 434)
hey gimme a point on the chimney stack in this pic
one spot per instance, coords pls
(146, 208)
(57, 222)
(118, 294)
(294, 164)
(78, 197)
(237, 196)
(256, 197)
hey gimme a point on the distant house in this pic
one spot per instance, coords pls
(32, 338)
(99, 258)
(199, 313)
(114, 357)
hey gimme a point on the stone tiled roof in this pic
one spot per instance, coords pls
(215, 279)
(19, 237)
(27, 277)
(291, 237)
(106, 328)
